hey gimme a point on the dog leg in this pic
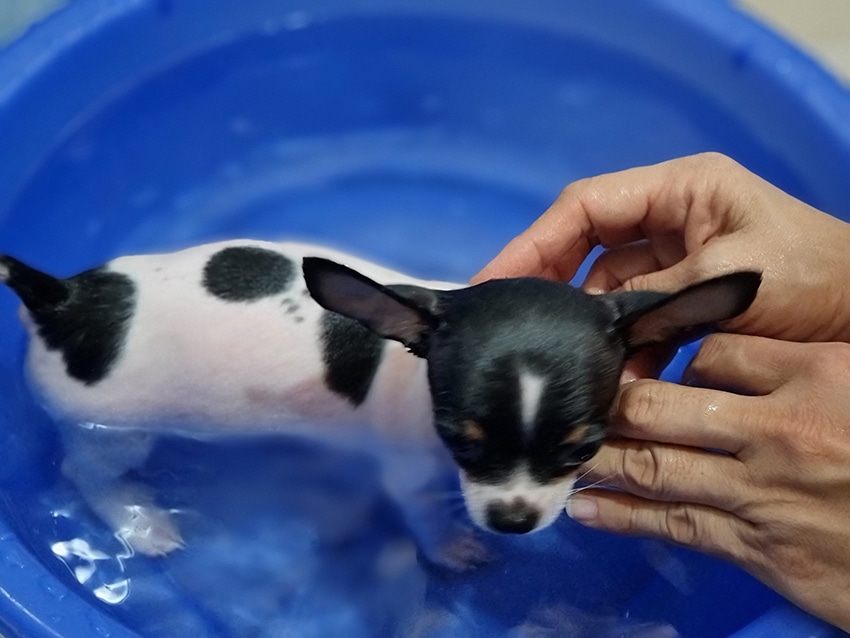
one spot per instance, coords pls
(433, 510)
(96, 462)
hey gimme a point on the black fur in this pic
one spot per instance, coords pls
(247, 273)
(480, 341)
(35, 288)
(474, 374)
(90, 326)
(340, 289)
(352, 354)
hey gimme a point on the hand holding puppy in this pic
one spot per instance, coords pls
(775, 497)
(672, 224)
(775, 500)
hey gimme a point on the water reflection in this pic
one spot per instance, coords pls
(95, 569)
(286, 537)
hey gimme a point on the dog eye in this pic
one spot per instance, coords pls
(466, 451)
(575, 451)
(587, 451)
(465, 440)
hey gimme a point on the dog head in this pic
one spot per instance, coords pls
(523, 372)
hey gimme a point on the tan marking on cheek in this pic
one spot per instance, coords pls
(472, 430)
(576, 435)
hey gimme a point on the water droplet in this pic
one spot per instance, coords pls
(53, 587)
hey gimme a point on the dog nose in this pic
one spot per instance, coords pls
(516, 517)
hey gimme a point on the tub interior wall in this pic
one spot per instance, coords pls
(419, 141)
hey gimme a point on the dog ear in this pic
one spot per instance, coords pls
(404, 313)
(652, 317)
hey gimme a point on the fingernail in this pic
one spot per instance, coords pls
(627, 377)
(594, 290)
(582, 509)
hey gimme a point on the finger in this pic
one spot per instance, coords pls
(742, 363)
(678, 203)
(671, 473)
(534, 252)
(694, 526)
(616, 266)
(525, 255)
(648, 362)
(696, 417)
(607, 209)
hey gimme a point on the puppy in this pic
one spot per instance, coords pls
(522, 372)
(220, 339)
(226, 338)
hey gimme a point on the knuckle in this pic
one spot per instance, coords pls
(802, 435)
(784, 546)
(805, 442)
(713, 349)
(576, 189)
(641, 403)
(644, 471)
(714, 161)
(681, 525)
(826, 362)
(806, 430)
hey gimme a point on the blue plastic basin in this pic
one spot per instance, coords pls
(425, 135)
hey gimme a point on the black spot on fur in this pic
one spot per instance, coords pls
(352, 354)
(247, 273)
(90, 327)
(289, 304)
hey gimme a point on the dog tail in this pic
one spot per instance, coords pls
(38, 291)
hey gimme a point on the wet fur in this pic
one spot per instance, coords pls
(514, 377)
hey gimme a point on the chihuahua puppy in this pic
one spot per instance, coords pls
(522, 372)
(217, 340)
(237, 338)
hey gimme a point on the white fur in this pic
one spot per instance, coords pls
(198, 364)
(549, 499)
(531, 387)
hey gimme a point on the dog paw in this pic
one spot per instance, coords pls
(464, 552)
(149, 530)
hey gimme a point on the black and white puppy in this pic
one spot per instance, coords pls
(223, 339)
(226, 338)
(523, 372)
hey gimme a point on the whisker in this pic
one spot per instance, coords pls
(576, 490)
(587, 471)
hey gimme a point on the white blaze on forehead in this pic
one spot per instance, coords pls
(531, 388)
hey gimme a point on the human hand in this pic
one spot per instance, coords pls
(676, 223)
(777, 503)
